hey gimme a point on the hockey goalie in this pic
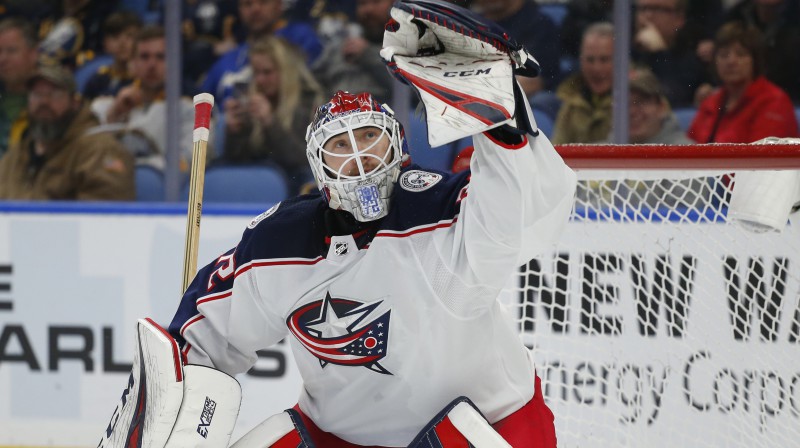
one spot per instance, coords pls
(385, 282)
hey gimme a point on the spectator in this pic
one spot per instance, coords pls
(28, 9)
(306, 10)
(266, 120)
(140, 111)
(18, 53)
(208, 32)
(703, 19)
(71, 32)
(779, 23)
(663, 42)
(352, 62)
(747, 107)
(260, 18)
(585, 114)
(650, 118)
(58, 157)
(119, 32)
(580, 15)
(526, 24)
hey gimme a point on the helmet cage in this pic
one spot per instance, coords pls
(365, 194)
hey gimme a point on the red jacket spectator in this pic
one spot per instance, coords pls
(763, 111)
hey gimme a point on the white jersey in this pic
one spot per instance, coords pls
(392, 323)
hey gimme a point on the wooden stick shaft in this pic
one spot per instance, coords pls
(203, 103)
(194, 212)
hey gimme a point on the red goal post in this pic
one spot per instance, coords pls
(657, 320)
(729, 156)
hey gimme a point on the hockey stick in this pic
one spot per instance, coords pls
(202, 116)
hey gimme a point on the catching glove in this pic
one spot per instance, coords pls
(462, 67)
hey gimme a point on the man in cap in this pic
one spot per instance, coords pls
(650, 117)
(58, 157)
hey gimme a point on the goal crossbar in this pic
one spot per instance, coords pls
(732, 156)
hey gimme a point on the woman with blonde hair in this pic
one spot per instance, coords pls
(266, 117)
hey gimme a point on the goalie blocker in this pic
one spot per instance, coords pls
(167, 404)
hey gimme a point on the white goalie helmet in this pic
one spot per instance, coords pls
(356, 149)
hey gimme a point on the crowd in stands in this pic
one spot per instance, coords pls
(82, 82)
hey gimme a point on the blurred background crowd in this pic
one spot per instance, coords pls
(84, 110)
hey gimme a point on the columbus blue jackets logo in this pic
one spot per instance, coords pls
(416, 180)
(342, 332)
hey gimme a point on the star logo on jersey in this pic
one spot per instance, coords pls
(342, 332)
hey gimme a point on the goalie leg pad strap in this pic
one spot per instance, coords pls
(459, 425)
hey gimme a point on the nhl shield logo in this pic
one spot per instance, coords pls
(416, 180)
(341, 248)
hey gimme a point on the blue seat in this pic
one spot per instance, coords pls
(218, 131)
(149, 184)
(555, 11)
(148, 10)
(547, 102)
(439, 158)
(568, 65)
(685, 117)
(253, 184)
(85, 71)
(544, 121)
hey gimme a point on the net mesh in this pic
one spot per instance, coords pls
(657, 321)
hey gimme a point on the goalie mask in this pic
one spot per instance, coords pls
(356, 148)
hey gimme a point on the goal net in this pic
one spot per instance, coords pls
(657, 320)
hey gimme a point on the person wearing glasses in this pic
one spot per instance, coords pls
(664, 41)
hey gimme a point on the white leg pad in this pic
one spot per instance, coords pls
(475, 428)
(458, 424)
(211, 401)
(267, 433)
(153, 394)
(166, 404)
